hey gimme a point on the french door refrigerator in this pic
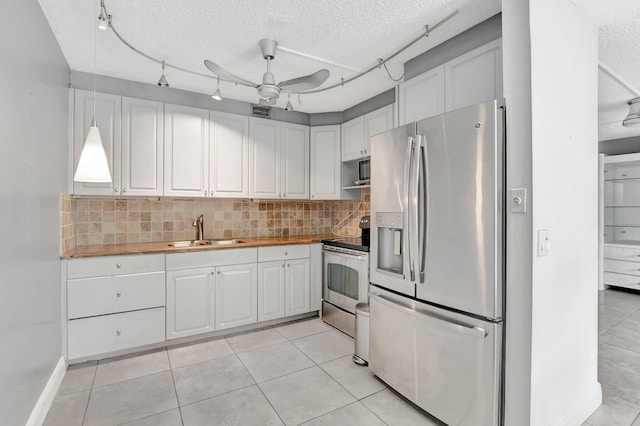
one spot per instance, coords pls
(436, 299)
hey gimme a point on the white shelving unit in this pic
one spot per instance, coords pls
(620, 221)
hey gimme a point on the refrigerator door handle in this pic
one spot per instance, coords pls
(414, 226)
(422, 222)
(471, 330)
(408, 167)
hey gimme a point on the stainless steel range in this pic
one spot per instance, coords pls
(345, 278)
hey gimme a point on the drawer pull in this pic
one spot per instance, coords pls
(118, 294)
(286, 253)
(118, 265)
(118, 332)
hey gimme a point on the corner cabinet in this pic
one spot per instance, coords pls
(620, 221)
(357, 133)
(325, 163)
(278, 160)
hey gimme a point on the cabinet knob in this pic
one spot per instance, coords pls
(624, 175)
(118, 265)
(312, 196)
(218, 273)
(124, 190)
(118, 332)
(205, 193)
(116, 189)
(118, 294)
(284, 195)
(286, 253)
(283, 265)
(213, 273)
(288, 265)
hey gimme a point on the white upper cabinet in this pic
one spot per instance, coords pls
(295, 161)
(108, 120)
(264, 162)
(422, 96)
(229, 155)
(278, 160)
(356, 133)
(474, 77)
(142, 147)
(186, 151)
(353, 139)
(325, 163)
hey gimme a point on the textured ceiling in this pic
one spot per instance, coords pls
(619, 50)
(351, 33)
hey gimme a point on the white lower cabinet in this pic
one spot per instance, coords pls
(114, 303)
(283, 284)
(236, 296)
(190, 302)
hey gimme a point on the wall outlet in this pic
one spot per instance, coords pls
(544, 243)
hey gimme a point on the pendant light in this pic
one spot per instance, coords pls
(217, 95)
(633, 118)
(163, 80)
(93, 165)
(288, 107)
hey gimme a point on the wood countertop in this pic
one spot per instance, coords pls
(164, 247)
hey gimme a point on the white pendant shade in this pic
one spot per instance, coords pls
(93, 165)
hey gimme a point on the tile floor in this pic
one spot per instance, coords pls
(618, 359)
(298, 373)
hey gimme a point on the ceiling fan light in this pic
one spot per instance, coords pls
(93, 165)
(633, 118)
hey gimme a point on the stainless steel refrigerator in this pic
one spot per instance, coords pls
(436, 299)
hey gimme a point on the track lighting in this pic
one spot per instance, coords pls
(104, 19)
(163, 80)
(633, 118)
(217, 96)
(289, 107)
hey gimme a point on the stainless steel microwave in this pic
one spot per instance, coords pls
(364, 172)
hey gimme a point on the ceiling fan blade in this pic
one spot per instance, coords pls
(221, 72)
(307, 82)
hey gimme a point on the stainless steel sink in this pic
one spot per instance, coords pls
(199, 243)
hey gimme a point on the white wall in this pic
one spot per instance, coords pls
(564, 113)
(33, 167)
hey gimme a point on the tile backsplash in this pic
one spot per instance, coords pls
(115, 221)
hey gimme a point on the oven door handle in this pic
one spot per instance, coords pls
(343, 253)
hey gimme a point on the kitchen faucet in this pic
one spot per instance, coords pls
(198, 223)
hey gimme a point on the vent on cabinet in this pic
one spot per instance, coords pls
(260, 111)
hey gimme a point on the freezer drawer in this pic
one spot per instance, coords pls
(446, 363)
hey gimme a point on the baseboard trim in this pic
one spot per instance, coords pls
(43, 405)
(581, 411)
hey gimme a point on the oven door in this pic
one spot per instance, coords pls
(346, 278)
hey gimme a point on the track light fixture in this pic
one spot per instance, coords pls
(163, 80)
(633, 118)
(289, 107)
(104, 19)
(217, 96)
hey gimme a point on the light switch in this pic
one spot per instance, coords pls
(544, 243)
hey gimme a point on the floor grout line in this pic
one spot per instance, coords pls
(86, 408)
(175, 390)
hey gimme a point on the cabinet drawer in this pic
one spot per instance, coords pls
(291, 251)
(87, 297)
(622, 280)
(211, 258)
(622, 267)
(114, 265)
(622, 253)
(108, 333)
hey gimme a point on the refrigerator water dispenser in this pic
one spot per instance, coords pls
(390, 242)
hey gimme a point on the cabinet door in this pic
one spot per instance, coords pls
(353, 139)
(108, 120)
(325, 163)
(229, 155)
(422, 96)
(474, 77)
(271, 290)
(142, 147)
(236, 295)
(190, 302)
(186, 151)
(295, 161)
(376, 122)
(296, 299)
(264, 159)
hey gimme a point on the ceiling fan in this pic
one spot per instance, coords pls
(268, 90)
